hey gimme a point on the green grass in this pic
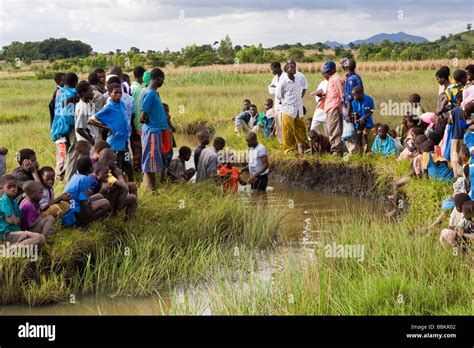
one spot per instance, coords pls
(183, 234)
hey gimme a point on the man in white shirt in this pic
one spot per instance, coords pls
(258, 163)
(277, 72)
(290, 92)
(300, 78)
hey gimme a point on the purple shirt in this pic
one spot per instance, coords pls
(30, 212)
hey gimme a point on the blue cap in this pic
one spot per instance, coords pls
(328, 66)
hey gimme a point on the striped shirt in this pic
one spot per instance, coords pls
(289, 92)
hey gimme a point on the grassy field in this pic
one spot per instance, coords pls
(169, 246)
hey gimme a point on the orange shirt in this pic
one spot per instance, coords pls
(233, 182)
(334, 94)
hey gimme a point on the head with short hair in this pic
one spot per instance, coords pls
(268, 104)
(83, 148)
(253, 109)
(26, 154)
(8, 185)
(275, 68)
(70, 80)
(251, 139)
(382, 131)
(109, 158)
(419, 139)
(115, 91)
(464, 155)
(84, 91)
(33, 190)
(59, 78)
(93, 79)
(204, 137)
(435, 137)
(84, 165)
(102, 75)
(157, 77)
(459, 200)
(442, 76)
(246, 104)
(351, 64)
(101, 171)
(100, 145)
(392, 133)
(467, 210)
(47, 176)
(470, 72)
(460, 76)
(358, 93)
(185, 153)
(415, 98)
(117, 71)
(413, 121)
(314, 136)
(138, 72)
(219, 143)
(469, 110)
(290, 68)
(126, 78)
(427, 146)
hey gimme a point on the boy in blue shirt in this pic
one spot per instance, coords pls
(10, 231)
(351, 80)
(363, 108)
(384, 143)
(113, 118)
(85, 207)
(63, 129)
(154, 121)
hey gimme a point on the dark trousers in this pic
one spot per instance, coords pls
(261, 183)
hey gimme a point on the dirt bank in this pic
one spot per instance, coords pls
(335, 178)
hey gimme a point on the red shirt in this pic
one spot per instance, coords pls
(233, 182)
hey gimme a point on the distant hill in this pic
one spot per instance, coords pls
(395, 37)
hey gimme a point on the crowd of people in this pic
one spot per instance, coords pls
(107, 129)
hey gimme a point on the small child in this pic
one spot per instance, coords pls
(85, 207)
(3, 160)
(465, 228)
(448, 235)
(98, 147)
(398, 144)
(168, 143)
(231, 177)
(27, 171)
(99, 179)
(204, 139)
(269, 126)
(30, 211)
(452, 92)
(362, 109)
(10, 231)
(383, 143)
(319, 143)
(434, 166)
(84, 111)
(177, 170)
(118, 194)
(49, 205)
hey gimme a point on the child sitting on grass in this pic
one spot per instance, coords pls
(10, 231)
(398, 144)
(85, 207)
(99, 179)
(118, 194)
(319, 143)
(434, 166)
(177, 171)
(448, 235)
(49, 205)
(30, 211)
(384, 143)
(28, 170)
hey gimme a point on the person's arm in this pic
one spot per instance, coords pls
(244, 169)
(172, 171)
(211, 169)
(173, 128)
(83, 133)
(443, 107)
(146, 105)
(259, 172)
(94, 122)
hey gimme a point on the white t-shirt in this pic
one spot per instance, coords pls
(255, 159)
(272, 90)
(319, 114)
(455, 218)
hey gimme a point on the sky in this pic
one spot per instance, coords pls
(172, 24)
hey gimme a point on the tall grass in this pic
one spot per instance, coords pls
(183, 234)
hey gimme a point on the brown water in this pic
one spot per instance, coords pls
(307, 214)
